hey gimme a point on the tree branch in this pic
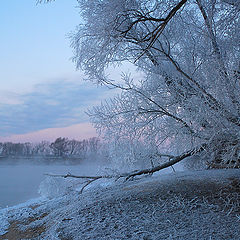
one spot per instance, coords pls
(129, 175)
(169, 163)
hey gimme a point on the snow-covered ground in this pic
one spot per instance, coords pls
(182, 205)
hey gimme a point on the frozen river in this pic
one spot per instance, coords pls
(19, 183)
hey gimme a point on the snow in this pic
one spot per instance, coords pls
(167, 206)
(4, 224)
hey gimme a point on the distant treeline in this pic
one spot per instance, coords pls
(118, 154)
(62, 149)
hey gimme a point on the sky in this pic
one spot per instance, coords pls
(42, 96)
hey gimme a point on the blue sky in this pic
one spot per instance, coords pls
(39, 87)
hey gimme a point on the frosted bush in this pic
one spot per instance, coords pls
(52, 187)
(127, 155)
(198, 162)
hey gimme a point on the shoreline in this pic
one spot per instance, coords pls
(138, 209)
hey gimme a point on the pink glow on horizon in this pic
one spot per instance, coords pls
(77, 132)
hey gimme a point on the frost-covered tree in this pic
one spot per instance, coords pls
(59, 146)
(188, 53)
(126, 154)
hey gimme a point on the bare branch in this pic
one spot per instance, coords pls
(158, 31)
(129, 175)
(44, 1)
(168, 164)
(69, 175)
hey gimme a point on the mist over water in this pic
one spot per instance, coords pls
(19, 183)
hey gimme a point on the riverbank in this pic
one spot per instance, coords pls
(183, 205)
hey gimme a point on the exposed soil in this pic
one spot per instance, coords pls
(15, 233)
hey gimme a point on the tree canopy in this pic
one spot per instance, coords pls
(188, 53)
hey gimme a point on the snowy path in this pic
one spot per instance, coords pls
(186, 205)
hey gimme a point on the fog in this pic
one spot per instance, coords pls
(19, 183)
